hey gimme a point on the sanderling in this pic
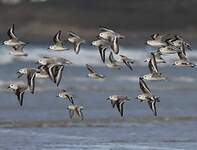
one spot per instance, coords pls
(157, 40)
(31, 74)
(19, 90)
(118, 101)
(93, 74)
(112, 37)
(75, 108)
(102, 46)
(46, 60)
(13, 40)
(58, 43)
(109, 34)
(178, 41)
(154, 72)
(146, 96)
(158, 57)
(66, 95)
(183, 61)
(113, 63)
(17, 50)
(127, 61)
(76, 41)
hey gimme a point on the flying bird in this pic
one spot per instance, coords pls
(66, 95)
(19, 91)
(154, 72)
(31, 74)
(57, 43)
(76, 41)
(13, 40)
(118, 101)
(127, 61)
(93, 74)
(147, 96)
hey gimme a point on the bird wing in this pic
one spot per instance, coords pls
(77, 47)
(70, 98)
(115, 45)
(20, 93)
(127, 64)
(104, 29)
(120, 107)
(102, 52)
(56, 38)
(153, 64)
(181, 56)
(111, 57)
(144, 88)
(11, 32)
(154, 36)
(58, 77)
(90, 69)
(70, 33)
(31, 80)
(152, 105)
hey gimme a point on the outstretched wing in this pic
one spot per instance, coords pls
(115, 45)
(31, 80)
(77, 47)
(11, 32)
(119, 106)
(102, 52)
(56, 38)
(144, 88)
(152, 105)
(153, 65)
(90, 69)
(59, 74)
(72, 34)
(70, 98)
(154, 36)
(104, 29)
(127, 64)
(19, 93)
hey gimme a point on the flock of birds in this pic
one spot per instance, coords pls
(52, 67)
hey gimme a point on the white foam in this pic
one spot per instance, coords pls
(88, 55)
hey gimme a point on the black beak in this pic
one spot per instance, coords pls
(8, 87)
(107, 99)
